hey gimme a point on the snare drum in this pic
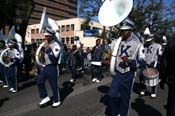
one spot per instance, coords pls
(151, 77)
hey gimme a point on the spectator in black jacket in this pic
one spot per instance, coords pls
(96, 61)
(74, 58)
(167, 75)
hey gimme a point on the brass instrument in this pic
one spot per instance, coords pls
(4, 56)
(46, 23)
(113, 12)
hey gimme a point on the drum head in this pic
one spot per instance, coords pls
(150, 73)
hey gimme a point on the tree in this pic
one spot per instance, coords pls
(16, 12)
(89, 8)
(23, 11)
(145, 13)
(153, 14)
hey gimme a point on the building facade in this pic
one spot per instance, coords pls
(56, 9)
(69, 29)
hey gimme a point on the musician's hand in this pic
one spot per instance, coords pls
(123, 65)
(8, 59)
(47, 44)
(125, 59)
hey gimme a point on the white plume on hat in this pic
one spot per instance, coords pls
(147, 31)
(127, 24)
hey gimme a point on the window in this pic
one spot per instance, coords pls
(72, 27)
(67, 27)
(58, 29)
(32, 31)
(63, 40)
(67, 40)
(63, 28)
(72, 40)
(37, 30)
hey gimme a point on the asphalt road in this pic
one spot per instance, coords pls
(79, 99)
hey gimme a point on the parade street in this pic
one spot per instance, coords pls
(83, 98)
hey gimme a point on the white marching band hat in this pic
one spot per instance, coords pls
(127, 25)
(150, 37)
(49, 31)
(12, 42)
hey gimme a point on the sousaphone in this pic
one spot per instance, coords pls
(12, 35)
(111, 13)
(45, 23)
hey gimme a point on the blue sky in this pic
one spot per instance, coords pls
(168, 2)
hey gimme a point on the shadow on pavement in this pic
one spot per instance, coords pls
(3, 100)
(137, 88)
(67, 88)
(27, 84)
(143, 109)
(103, 89)
(105, 99)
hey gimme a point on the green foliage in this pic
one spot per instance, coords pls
(85, 24)
(89, 8)
(11, 10)
(145, 13)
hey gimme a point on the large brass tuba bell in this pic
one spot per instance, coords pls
(111, 13)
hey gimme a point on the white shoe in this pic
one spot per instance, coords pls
(5, 86)
(153, 95)
(80, 69)
(56, 104)
(13, 91)
(94, 79)
(97, 81)
(1, 81)
(72, 80)
(45, 100)
(142, 93)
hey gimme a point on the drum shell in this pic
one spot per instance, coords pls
(151, 80)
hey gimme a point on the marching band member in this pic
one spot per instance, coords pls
(152, 53)
(129, 52)
(2, 68)
(49, 71)
(13, 56)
